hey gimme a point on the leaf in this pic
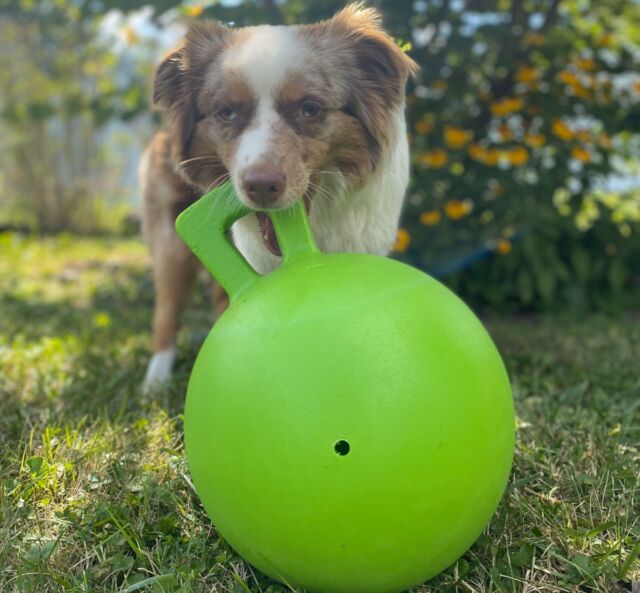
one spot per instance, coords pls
(120, 562)
(618, 275)
(523, 557)
(166, 581)
(525, 287)
(35, 464)
(40, 552)
(580, 263)
(546, 284)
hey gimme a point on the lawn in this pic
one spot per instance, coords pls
(95, 492)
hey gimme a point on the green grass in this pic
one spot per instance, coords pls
(94, 487)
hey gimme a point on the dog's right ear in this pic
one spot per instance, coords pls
(181, 75)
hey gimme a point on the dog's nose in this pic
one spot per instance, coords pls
(263, 187)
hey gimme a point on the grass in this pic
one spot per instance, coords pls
(94, 488)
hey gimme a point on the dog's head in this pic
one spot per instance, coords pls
(274, 108)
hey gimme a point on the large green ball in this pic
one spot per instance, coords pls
(349, 425)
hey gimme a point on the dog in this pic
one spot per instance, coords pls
(313, 112)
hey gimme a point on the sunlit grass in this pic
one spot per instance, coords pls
(95, 492)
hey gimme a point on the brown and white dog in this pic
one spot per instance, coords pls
(313, 112)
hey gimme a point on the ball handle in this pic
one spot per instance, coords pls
(204, 226)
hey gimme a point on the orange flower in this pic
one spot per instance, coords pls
(526, 74)
(581, 154)
(562, 130)
(534, 140)
(605, 141)
(456, 137)
(506, 106)
(430, 217)
(486, 156)
(533, 38)
(194, 11)
(505, 133)
(435, 159)
(582, 92)
(457, 209)
(503, 247)
(424, 126)
(403, 239)
(585, 64)
(518, 155)
(584, 136)
(568, 78)
(606, 40)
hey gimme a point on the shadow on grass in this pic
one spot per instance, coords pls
(105, 344)
(128, 305)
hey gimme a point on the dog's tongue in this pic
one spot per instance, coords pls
(268, 233)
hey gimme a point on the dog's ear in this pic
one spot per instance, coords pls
(381, 67)
(181, 75)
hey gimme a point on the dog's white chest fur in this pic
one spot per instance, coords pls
(361, 221)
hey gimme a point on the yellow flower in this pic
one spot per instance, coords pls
(102, 319)
(526, 74)
(430, 217)
(506, 106)
(518, 155)
(584, 136)
(568, 78)
(503, 247)
(534, 38)
(456, 137)
(606, 40)
(403, 239)
(581, 154)
(585, 64)
(562, 130)
(440, 85)
(435, 159)
(580, 91)
(424, 126)
(457, 209)
(534, 140)
(194, 11)
(486, 156)
(130, 35)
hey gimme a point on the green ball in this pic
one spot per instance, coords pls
(349, 424)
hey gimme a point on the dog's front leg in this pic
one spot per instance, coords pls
(175, 270)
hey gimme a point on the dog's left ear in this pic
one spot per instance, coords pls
(181, 75)
(382, 68)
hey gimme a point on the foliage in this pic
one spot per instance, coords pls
(521, 111)
(556, 266)
(57, 91)
(94, 487)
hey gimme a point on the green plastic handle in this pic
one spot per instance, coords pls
(204, 226)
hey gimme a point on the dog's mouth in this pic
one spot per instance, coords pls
(269, 233)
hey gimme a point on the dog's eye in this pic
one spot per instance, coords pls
(227, 114)
(309, 110)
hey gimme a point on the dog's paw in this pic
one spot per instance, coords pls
(159, 370)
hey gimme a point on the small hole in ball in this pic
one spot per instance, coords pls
(342, 448)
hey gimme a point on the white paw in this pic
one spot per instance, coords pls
(159, 369)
